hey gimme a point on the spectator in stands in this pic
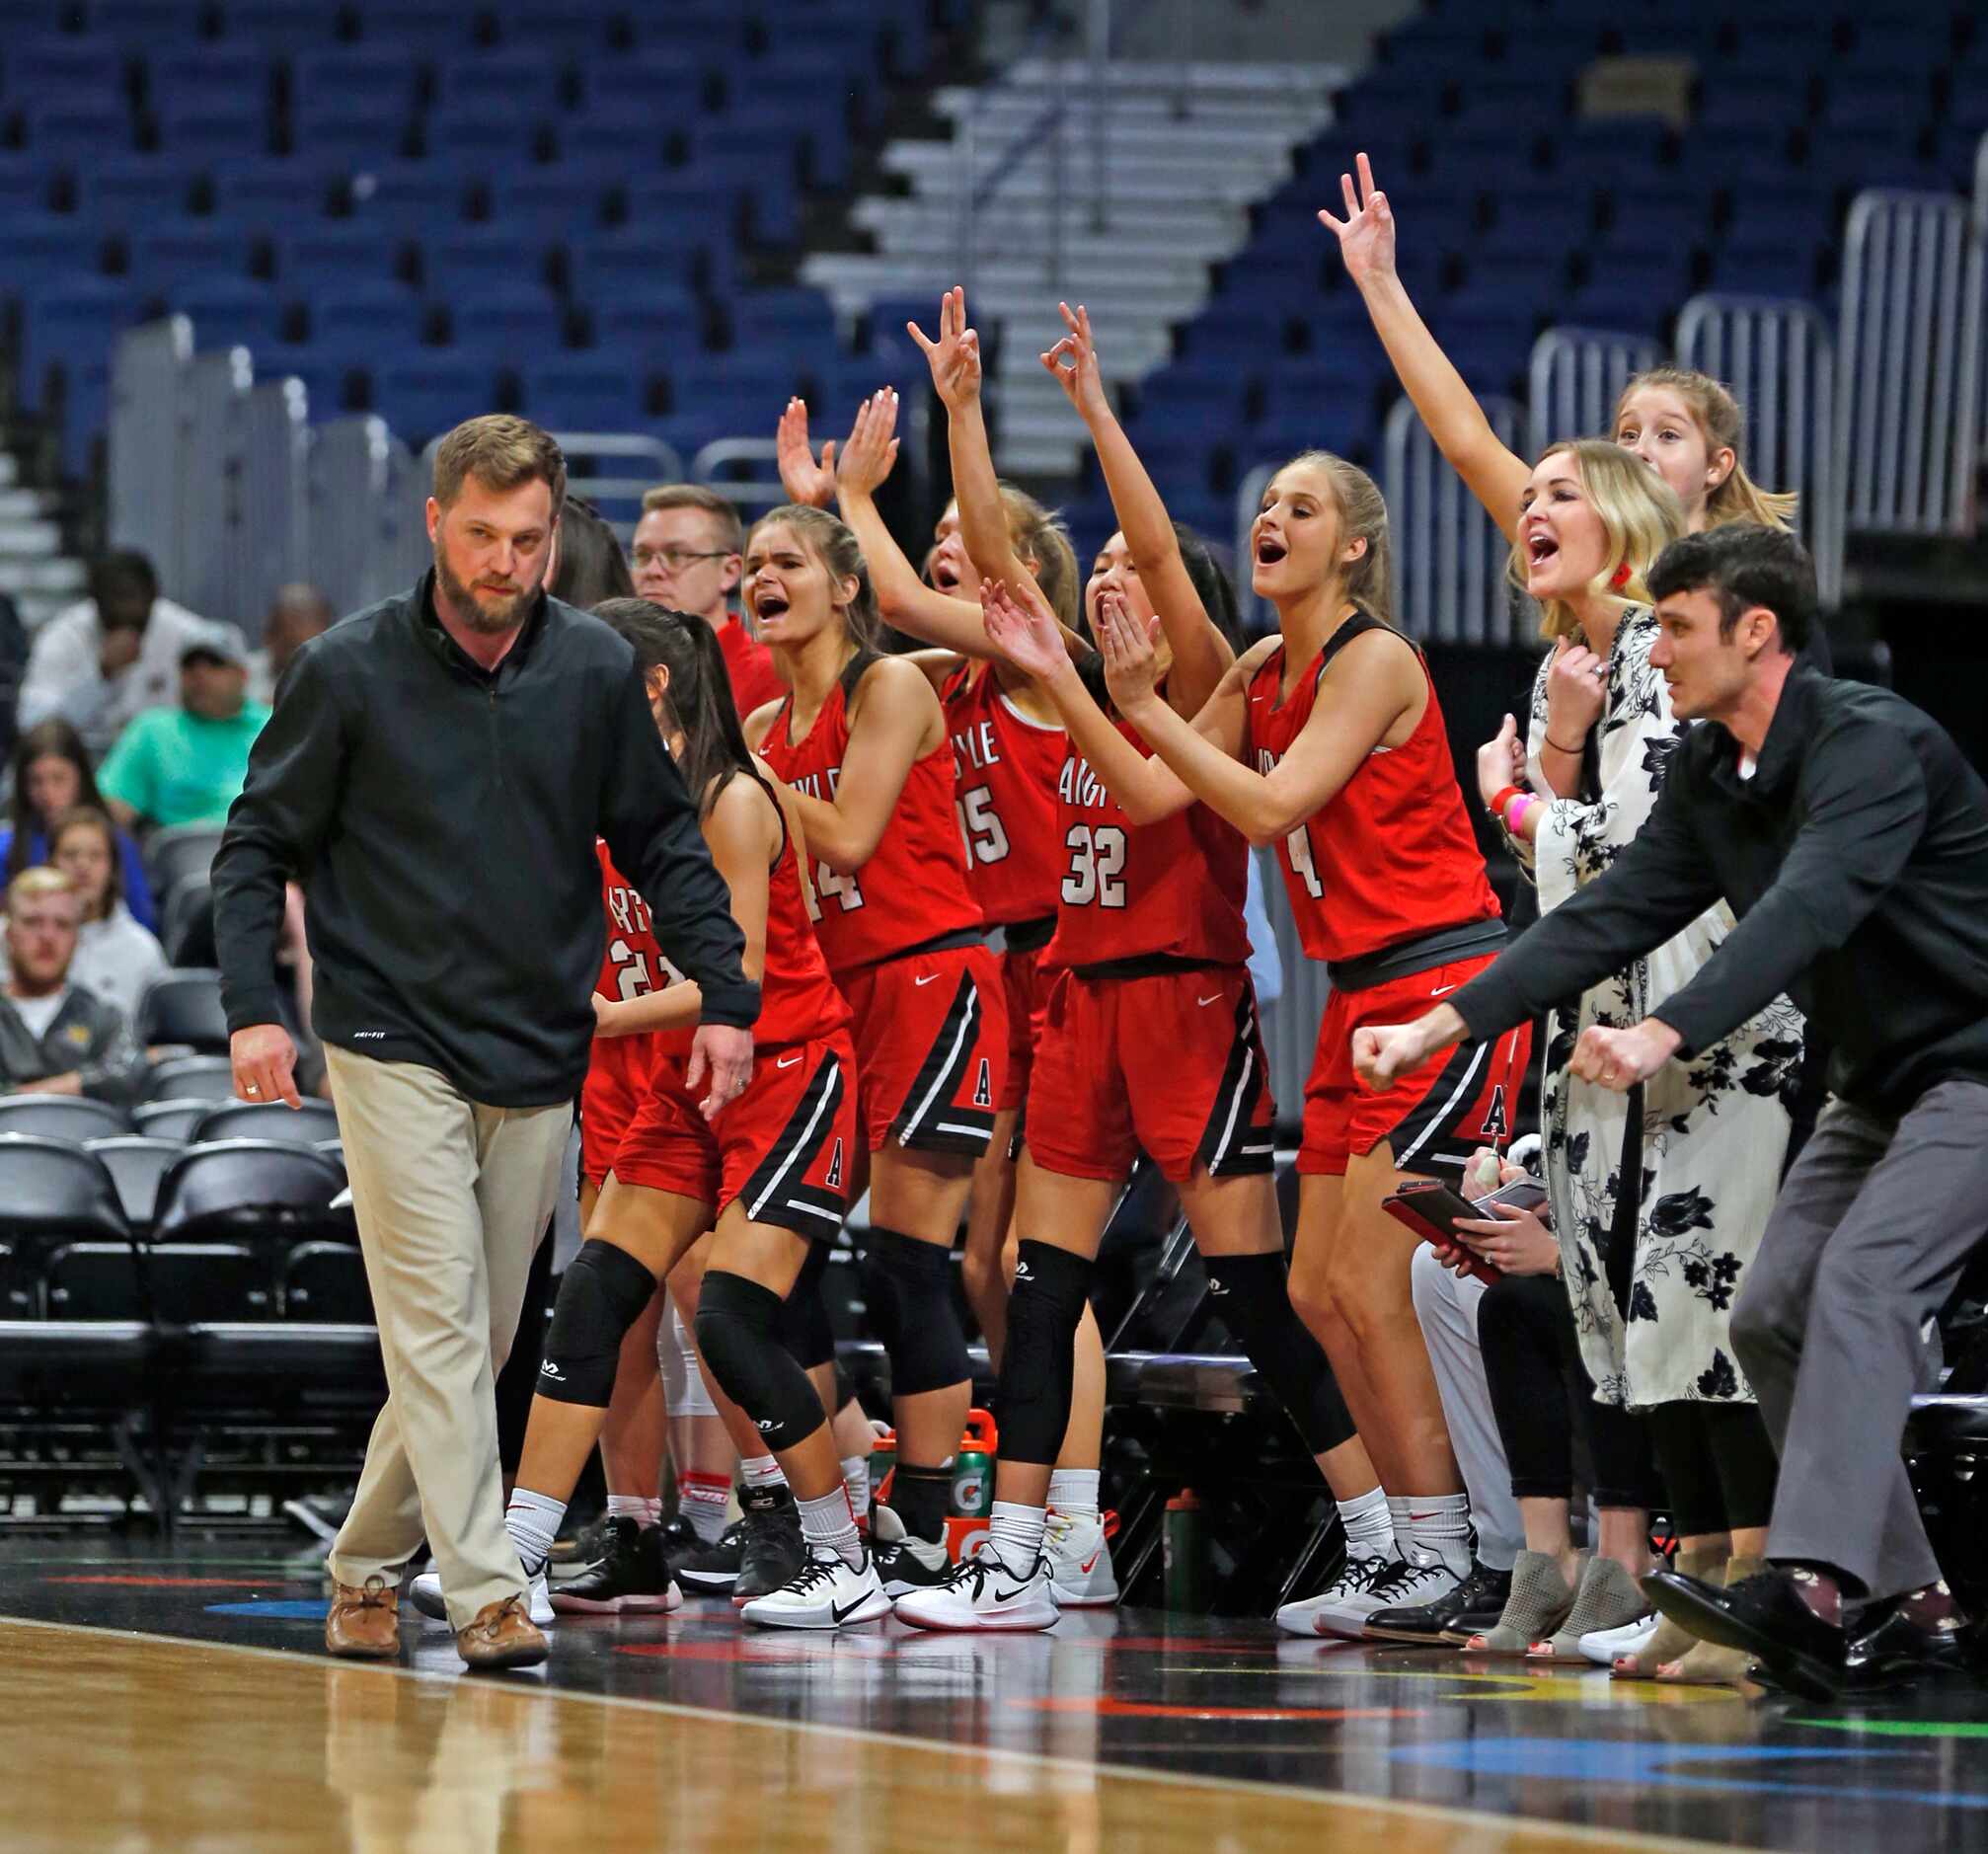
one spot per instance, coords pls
(115, 957)
(50, 775)
(689, 550)
(185, 765)
(587, 563)
(297, 613)
(57, 1038)
(103, 662)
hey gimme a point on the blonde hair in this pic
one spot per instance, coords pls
(502, 452)
(1641, 516)
(39, 880)
(1715, 412)
(1038, 535)
(832, 542)
(1363, 514)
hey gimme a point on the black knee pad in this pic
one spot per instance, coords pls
(738, 1333)
(1044, 1309)
(602, 1296)
(803, 1316)
(1252, 1295)
(907, 1286)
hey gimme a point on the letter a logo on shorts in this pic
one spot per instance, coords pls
(983, 1087)
(834, 1178)
(1497, 1126)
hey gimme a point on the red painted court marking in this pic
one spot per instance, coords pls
(1150, 1709)
(181, 1583)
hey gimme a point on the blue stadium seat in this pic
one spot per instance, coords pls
(584, 395)
(68, 130)
(221, 76)
(577, 29)
(358, 134)
(39, 243)
(146, 22)
(1639, 303)
(660, 329)
(518, 320)
(326, 370)
(272, 192)
(198, 130)
(52, 61)
(427, 27)
(163, 257)
(380, 75)
(230, 311)
(129, 193)
(548, 204)
(409, 200)
(511, 87)
(333, 255)
(282, 25)
(619, 270)
(633, 134)
(361, 310)
(421, 394)
(659, 75)
(26, 182)
(468, 259)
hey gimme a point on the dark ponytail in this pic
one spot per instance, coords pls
(699, 695)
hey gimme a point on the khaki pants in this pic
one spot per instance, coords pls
(452, 1199)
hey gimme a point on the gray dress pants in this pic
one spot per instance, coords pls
(1866, 1242)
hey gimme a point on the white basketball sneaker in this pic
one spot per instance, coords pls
(983, 1593)
(1343, 1607)
(1079, 1551)
(426, 1593)
(827, 1595)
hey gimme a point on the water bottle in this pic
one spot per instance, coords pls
(974, 1467)
(1183, 1555)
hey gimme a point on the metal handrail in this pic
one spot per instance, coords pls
(1576, 377)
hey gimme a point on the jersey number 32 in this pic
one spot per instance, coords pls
(1097, 866)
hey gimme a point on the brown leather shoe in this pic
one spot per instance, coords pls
(364, 1624)
(502, 1636)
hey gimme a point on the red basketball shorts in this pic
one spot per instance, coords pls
(1027, 983)
(1171, 1063)
(931, 1034)
(1433, 1118)
(618, 1070)
(782, 1150)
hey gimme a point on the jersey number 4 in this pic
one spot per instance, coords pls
(1097, 866)
(827, 881)
(1298, 847)
(986, 841)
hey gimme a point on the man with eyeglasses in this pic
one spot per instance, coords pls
(688, 553)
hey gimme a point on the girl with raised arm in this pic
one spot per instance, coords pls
(1008, 747)
(862, 741)
(1151, 1043)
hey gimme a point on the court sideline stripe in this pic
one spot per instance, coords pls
(1041, 1761)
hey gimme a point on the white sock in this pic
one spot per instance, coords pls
(856, 1477)
(1015, 1533)
(630, 1506)
(1369, 1524)
(760, 1470)
(829, 1524)
(700, 1499)
(1439, 1526)
(532, 1520)
(1073, 1492)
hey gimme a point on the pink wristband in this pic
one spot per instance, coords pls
(1515, 817)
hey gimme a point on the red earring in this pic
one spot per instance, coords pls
(1621, 577)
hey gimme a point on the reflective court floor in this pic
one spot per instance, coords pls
(183, 1700)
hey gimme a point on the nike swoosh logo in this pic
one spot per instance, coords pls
(1216, 999)
(787, 1061)
(1008, 1596)
(930, 979)
(1440, 989)
(849, 1608)
(1084, 1567)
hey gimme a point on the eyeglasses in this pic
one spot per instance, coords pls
(675, 559)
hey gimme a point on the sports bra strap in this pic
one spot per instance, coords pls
(1357, 625)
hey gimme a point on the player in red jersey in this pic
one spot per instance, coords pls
(769, 1170)
(1007, 752)
(1329, 743)
(1151, 1042)
(861, 742)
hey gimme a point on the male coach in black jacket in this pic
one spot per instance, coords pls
(436, 773)
(1851, 838)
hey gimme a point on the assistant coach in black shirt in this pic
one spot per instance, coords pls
(436, 773)
(1851, 839)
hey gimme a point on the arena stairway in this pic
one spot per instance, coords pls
(35, 571)
(1185, 152)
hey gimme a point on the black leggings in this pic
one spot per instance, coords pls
(1532, 1364)
(1717, 1464)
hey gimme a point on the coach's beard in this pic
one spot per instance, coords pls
(472, 612)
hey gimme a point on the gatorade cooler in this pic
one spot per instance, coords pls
(972, 1486)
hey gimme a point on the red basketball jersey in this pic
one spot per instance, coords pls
(913, 888)
(1132, 892)
(1391, 856)
(1006, 767)
(631, 965)
(797, 1000)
